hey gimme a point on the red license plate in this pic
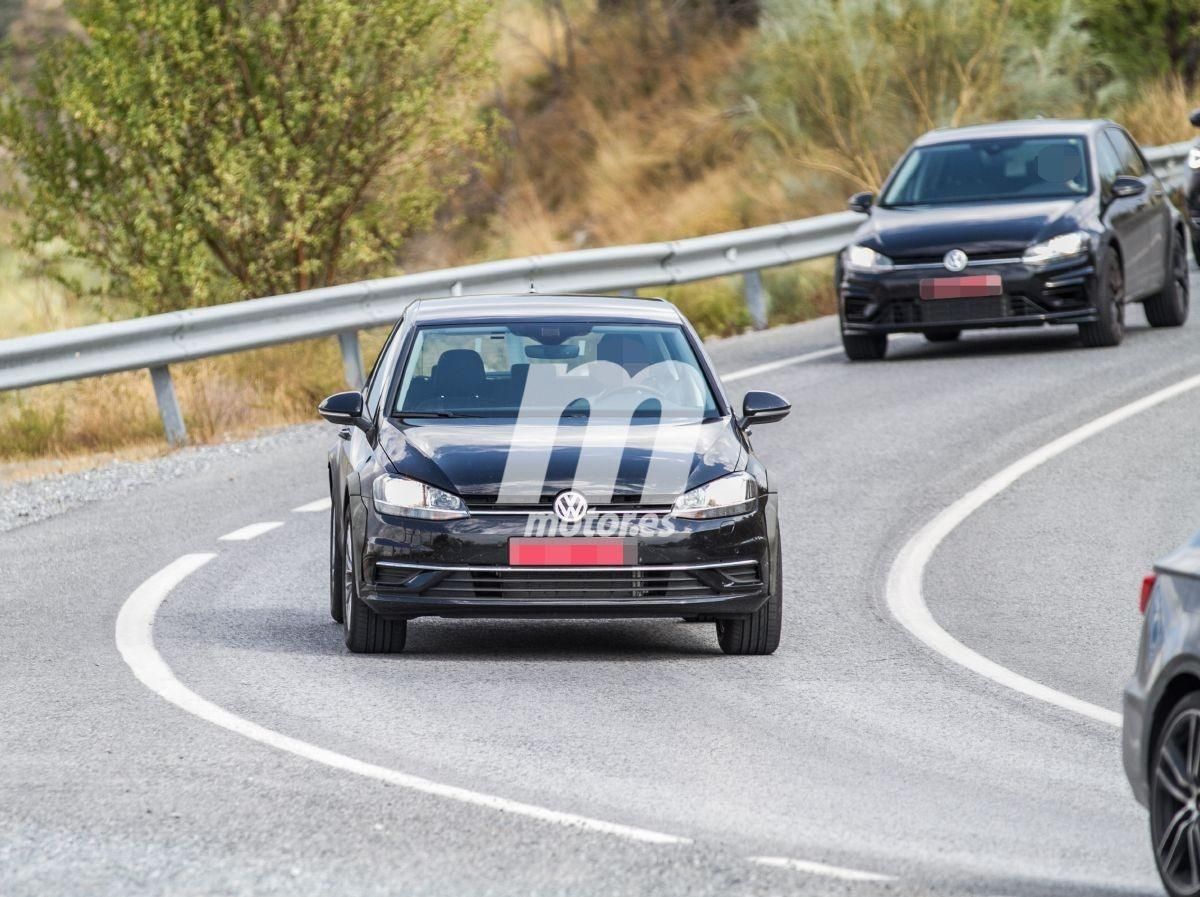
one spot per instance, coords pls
(962, 287)
(572, 552)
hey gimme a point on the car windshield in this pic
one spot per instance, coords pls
(645, 372)
(1012, 168)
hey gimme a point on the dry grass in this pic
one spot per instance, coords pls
(1157, 113)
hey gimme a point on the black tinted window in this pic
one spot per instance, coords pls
(1108, 161)
(1131, 160)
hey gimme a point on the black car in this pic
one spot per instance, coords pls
(540, 456)
(1013, 224)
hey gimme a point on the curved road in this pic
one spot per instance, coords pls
(857, 758)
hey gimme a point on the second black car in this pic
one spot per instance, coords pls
(1013, 224)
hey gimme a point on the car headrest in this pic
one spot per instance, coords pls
(621, 348)
(458, 372)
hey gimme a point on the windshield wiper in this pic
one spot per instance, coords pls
(430, 414)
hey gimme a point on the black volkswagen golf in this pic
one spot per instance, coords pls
(1013, 224)
(541, 456)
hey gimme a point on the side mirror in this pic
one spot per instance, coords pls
(345, 408)
(764, 408)
(861, 202)
(1194, 118)
(1125, 185)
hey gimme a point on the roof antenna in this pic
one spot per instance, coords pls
(532, 288)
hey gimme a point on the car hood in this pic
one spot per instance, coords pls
(470, 457)
(977, 229)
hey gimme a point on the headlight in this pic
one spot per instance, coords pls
(1194, 157)
(863, 258)
(734, 494)
(409, 498)
(1057, 248)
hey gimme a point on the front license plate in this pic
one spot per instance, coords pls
(962, 287)
(572, 552)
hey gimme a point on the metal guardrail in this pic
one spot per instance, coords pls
(158, 341)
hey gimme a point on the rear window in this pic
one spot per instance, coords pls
(1011, 168)
(487, 371)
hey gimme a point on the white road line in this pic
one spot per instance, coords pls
(769, 366)
(313, 507)
(821, 869)
(907, 603)
(135, 641)
(253, 531)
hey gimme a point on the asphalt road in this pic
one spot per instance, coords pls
(855, 746)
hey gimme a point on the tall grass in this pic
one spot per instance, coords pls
(843, 86)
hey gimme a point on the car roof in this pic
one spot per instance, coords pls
(1034, 127)
(524, 306)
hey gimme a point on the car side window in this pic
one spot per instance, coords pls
(376, 381)
(1109, 163)
(1131, 159)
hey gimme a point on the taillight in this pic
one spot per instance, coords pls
(1148, 582)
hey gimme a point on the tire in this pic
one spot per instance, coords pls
(336, 581)
(366, 631)
(1170, 307)
(865, 346)
(942, 336)
(756, 633)
(1173, 786)
(1109, 328)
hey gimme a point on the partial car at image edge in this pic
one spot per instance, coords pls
(1161, 717)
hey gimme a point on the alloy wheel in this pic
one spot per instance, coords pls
(1175, 822)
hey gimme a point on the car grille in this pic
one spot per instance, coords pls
(581, 583)
(545, 504)
(953, 311)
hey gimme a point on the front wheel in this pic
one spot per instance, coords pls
(337, 598)
(1169, 308)
(756, 633)
(1174, 786)
(1109, 327)
(865, 346)
(366, 631)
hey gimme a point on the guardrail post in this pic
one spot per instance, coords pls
(352, 361)
(758, 301)
(168, 405)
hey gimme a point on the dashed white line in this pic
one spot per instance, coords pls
(812, 868)
(253, 531)
(904, 596)
(135, 641)
(313, 507)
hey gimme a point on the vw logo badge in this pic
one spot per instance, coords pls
(570, 506)
(955, 260)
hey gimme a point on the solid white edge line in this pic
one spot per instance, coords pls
(321, 504)
(905, 578)
(253, 531)
(821, 869)
(769, 366)
(135, 641)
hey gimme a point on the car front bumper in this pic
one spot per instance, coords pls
(890, 301)
(718, 567)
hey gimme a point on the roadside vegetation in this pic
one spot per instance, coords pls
(171, 153)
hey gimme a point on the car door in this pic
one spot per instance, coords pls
(1150, 221)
